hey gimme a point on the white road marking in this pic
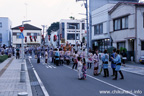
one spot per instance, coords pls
(40, 82)
(53, 67)
(50, 66)
(47, 67)
(106, 83)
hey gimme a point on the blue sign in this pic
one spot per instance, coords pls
(21, 36)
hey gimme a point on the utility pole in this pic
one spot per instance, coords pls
(86, 6)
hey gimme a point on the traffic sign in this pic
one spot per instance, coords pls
(21, 29)
(21, 36)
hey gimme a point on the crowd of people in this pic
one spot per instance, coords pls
(78, 57)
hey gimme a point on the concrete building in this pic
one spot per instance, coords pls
(94, 4)
(100, 27)
(127, 28)
(32, 35)
(5, 31)
(67, 30)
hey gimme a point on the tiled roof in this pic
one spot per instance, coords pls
(27, 27)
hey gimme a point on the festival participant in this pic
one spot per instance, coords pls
(79, 68)
(113, 64)
(96, 63)
(75, 56)
(105, 59)
(46, 56)
(117, 60)
(61, 56)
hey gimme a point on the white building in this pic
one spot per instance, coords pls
(100, 27)
(67, 30)
(5, 31)
(30, 31)
(95, 4)
(127, 28)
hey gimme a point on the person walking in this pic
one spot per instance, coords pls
(57, 55)
(90, 57)
(79, 68)
(105, 59)
(96, 63)
(117, 60)
(38, 55)
(17, 53)
(75, 60)
(46, 56)
(84, 71)
(113, 64)
(124, 57)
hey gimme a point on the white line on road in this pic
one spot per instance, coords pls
(106, 83)
(50, 66)
(40, 82)
(47, 67)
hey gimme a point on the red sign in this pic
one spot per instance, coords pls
(21, 29)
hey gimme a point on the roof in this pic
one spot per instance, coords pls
(127, 3)
(27, 27)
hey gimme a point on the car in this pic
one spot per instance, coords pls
(141, 60)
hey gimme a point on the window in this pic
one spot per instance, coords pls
(71, 25)
(72, 36)
(83, 26)
(32, 34)
(0, 38)
(121, 23)
(142, 45)
(98, 29)
(18, 35)
(0, 24)
(14, 34)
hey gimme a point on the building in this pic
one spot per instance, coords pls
(94, 4)
(5, 31)
(32, 35)
(100, 27)
(127, 28)
(67, 31)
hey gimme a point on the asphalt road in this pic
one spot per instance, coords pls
(63, 81)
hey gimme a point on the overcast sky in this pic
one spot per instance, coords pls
(40, 12)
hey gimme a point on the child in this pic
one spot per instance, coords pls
(79, 68)
(96, 63)
(84, 71)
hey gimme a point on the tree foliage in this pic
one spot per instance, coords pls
(53, 27)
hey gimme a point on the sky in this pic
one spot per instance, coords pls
(40, 12)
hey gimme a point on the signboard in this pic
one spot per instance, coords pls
(21, 29)
(21, 36)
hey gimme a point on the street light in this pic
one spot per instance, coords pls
(22, 40)
(75, 34)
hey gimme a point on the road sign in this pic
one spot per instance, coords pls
(21, 29)
(21, 36)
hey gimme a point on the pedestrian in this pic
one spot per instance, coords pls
(17, 53)
(46, 56)
(113, 64)
(57, 55)
(117, 60)
(84, 71)
(124, 57)
(96, 63)
(105, 59)
(38, 56)
(67, 56)
(75, 60)
(61, 56)
(79, 68)
(89, 64)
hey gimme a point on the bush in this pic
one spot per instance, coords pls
(3, 58)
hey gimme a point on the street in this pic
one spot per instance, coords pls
(63, 81)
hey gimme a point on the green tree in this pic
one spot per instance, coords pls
(53, 27)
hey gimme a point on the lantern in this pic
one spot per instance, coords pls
(55, 37)
(25, 39)
(35, 38)
(31, 38)
(49, 37)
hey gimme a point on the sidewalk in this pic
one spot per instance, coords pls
(131, 67)
(10, 84)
